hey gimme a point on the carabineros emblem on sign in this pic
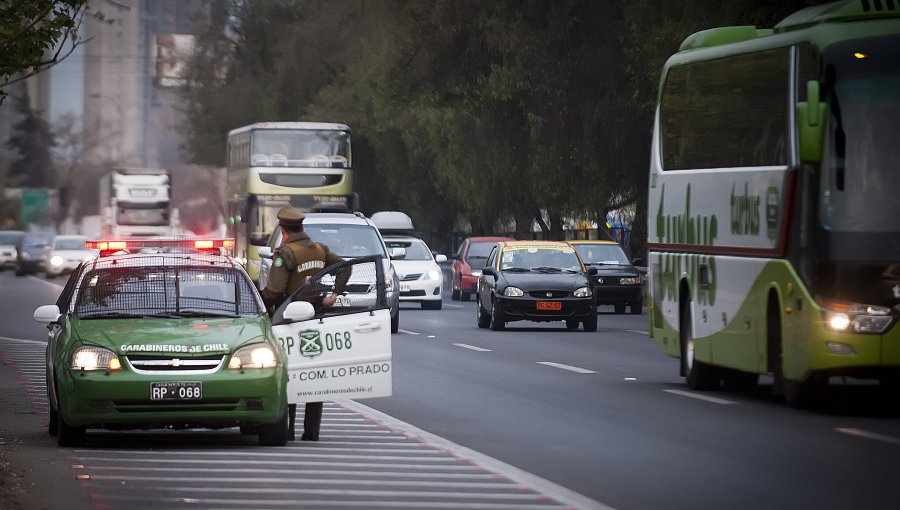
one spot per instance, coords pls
(310, 343)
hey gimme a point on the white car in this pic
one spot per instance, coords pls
(9, 239)
(421, 278)
(65, 253)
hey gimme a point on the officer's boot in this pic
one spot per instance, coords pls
(312, 421)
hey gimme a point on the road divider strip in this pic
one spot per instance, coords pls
(875, 436)
(570, 368)
(472, 347)
(707, 398)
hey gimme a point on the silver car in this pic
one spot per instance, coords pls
(66, 252)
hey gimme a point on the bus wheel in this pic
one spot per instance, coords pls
(802, 394)
(736, 380)
(697, 374)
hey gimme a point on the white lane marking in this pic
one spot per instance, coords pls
(698, 396)
(297, 481)
(875, 436)
(22, 340)
(535, 483)
(570, 368)
(454, 306)
(472, 347)
(322, 472)
(636, 331)
(408, 332)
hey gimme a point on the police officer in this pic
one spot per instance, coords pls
(298, 258)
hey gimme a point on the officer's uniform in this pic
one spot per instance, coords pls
(298, 258)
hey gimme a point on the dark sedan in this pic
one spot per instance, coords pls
(539, 281)
(617, 282)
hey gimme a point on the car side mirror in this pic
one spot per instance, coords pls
(592, 271)
(47, 314)
(299, 311)
(265, 252)
(489, 271)
(811, 116)
(440, 258)
(398, 253)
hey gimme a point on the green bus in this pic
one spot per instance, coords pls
(774, 199)
(271, 165)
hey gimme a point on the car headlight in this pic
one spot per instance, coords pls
(630, 280)
(92, 357)
(258, 355)
(856, 317)
(513, 292)
(56, 260)
(432, 275)
(388, 282)
(583, 292)
(476, 272)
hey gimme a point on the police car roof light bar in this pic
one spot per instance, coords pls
(108, 247)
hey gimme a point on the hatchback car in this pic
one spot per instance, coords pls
(617, 281)
(349, 235)
(539, 281)
(163, 340)
(9, 239)
(31, 252)
(65, 254)
(421, 278)
(467, 263)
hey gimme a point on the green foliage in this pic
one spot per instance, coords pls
(466, 114)
(30, 36)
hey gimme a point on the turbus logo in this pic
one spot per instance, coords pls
(310, 343)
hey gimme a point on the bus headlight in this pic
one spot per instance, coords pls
(856, 317)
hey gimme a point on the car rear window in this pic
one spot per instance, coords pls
(186, 291)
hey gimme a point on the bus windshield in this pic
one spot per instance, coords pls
(860, 177)
(301, 148)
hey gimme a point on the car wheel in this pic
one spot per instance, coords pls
(590, 324)
(464, 296)
(571, 324)
(697, 374)
(481, 318)
(620, 309)
(67, 435)
(498, 319)
(636, 308)
(52, 419)
(275, 434)
(249, 430)
(432, 305)
(454, 291)
(395, 322)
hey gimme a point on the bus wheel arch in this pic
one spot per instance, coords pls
(797, 393)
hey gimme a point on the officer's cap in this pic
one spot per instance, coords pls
(290, 216)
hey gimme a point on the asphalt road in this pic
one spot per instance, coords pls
(603, 415)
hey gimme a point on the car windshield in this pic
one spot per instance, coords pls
(144, 290)
(415, 249)
(348, 241)
(540, 259)
(36, 241)
(480, 250)
(602, 254)
(10, 238)
(69, 244)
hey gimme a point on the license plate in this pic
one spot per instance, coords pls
(549, 305)
(176, 390)
(404, 288)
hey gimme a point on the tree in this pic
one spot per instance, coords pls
(29, 32)
(33, 140)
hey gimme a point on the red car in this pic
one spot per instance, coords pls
(467, 264)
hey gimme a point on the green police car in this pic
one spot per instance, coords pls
(176, 338)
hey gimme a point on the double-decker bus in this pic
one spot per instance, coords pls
(774, 198)
(271, 165)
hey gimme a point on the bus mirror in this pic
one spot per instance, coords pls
(811, 115)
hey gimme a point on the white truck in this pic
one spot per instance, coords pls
(136, 203)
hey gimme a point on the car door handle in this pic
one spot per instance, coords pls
(367, 326)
